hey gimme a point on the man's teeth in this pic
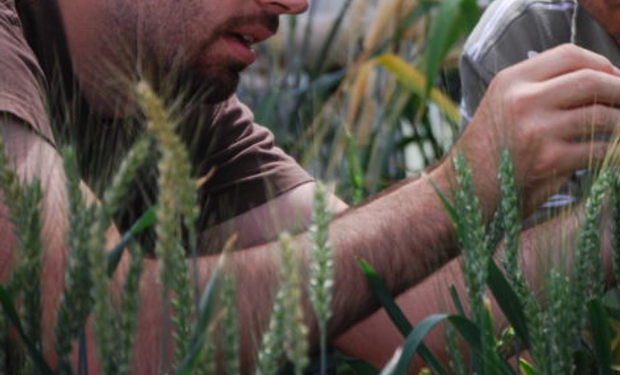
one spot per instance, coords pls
(246, 39)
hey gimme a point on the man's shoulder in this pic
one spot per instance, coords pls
(230, 112)
(7, 11)
(9, 20)
(21, 77)
(520, 26)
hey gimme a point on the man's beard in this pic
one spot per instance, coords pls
(196, 83)
(216, 83)
(213, 84)
(202, 76)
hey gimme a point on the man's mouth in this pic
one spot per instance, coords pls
(241, 39)
(245, 39)
(240, 47)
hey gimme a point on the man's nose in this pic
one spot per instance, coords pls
(284, 6)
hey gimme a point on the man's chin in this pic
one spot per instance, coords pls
(212, 87)
(218, 91)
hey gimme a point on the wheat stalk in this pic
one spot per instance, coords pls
(130, 307)
(76, 301)
(287, 333)
(588, 270)
(454, 351)
(470, 228)
(558, 321)
(295, 330)
(321, 267)
(509, 208)
(510, 213)
(24, 204)
(177, 199)
(270, 356)
(136, 157)
(106, 322)
(207, 363)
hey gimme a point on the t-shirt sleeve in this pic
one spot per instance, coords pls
(21, 76)
(242, 165)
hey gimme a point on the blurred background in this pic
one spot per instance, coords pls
(363, 92)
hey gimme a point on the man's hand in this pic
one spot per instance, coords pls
(539, 109)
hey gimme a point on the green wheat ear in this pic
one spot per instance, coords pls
(92, 234)
(270, 356)
(470, 229)
(321, 267)
(295, 329)
(27, 273)
(512, 224)
(129, 312)
(588, 273)
(136, 157)
(106, 319)
(535, 320)
(114, 327)
(287, 333)
(77, 300)
(24, 208)
(559, 319)
(476, 258)
(509, 207)
(177, 201)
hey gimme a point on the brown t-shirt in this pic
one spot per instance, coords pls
(38, 86)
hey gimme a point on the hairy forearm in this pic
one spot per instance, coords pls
(405, 235)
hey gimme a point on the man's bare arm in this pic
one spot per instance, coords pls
(290, 212)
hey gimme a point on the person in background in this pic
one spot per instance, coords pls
(509, 33)
(513, 31)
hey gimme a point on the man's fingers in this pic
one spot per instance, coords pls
(585, 86)
(580, 155)
(597, 119)
(561, 60)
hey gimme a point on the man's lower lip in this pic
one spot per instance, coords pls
(240, 50)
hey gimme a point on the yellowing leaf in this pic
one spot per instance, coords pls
(414, 80)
